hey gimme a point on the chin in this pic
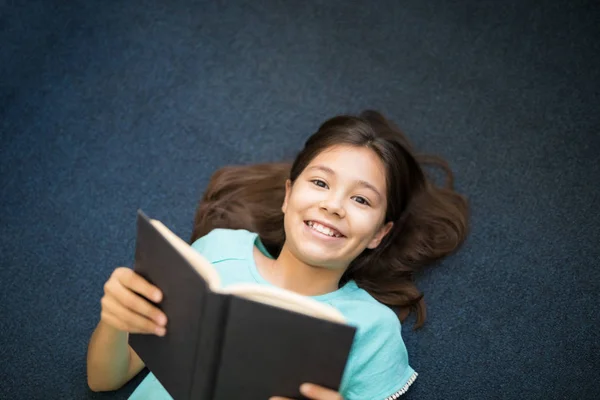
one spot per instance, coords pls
(319, 257)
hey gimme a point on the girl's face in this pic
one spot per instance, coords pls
(336, 207)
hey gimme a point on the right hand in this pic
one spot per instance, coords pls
(124, 308)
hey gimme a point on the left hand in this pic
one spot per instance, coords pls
(315, 392)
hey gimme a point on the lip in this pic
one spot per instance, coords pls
(326, 225)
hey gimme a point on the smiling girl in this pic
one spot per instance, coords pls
(348, 224)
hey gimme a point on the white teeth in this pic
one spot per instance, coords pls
(323, 229)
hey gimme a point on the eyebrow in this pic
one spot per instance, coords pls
(360, 182)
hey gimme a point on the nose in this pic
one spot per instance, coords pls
(333, 205)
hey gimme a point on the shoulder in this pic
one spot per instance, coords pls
(220, 243)
(364, 311)
(378, 364)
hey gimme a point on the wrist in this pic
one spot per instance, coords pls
(110, 329)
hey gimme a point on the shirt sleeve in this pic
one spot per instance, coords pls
(221, 244)
(200, 244)
(212, 244)
(378, 366)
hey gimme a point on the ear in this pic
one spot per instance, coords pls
(384, 230)
(288, 190)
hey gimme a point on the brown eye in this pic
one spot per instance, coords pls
(361, 200)
(319, 183)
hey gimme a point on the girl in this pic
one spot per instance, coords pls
(347, 223)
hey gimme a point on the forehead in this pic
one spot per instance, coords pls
(356, 163)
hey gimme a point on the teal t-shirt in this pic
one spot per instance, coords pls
(377, 367)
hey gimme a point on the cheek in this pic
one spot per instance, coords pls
(303, 198)
(296, 206)
(365, 223)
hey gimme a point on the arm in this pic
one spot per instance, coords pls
(111, 362)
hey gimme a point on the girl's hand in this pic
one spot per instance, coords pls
(315, 392)
(124, 308)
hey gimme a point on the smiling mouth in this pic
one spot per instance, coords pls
(323, 229)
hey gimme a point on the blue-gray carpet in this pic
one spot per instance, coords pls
(107, 107)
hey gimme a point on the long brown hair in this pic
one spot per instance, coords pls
(430, 221)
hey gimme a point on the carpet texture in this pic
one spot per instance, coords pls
(107, 107)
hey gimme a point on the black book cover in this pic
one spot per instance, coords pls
(268, 351)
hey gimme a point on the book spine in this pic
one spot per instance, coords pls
(208, 351)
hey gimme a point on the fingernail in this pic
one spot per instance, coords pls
(157, 296)
(160, 331)
(305, 388)
(161, 320)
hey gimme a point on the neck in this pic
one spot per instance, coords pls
(290, 273)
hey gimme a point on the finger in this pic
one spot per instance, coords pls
(116, 322)
(135, 282)
(316, 392)
(136, 303)
(128, 320)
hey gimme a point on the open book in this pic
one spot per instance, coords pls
(244, 341)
